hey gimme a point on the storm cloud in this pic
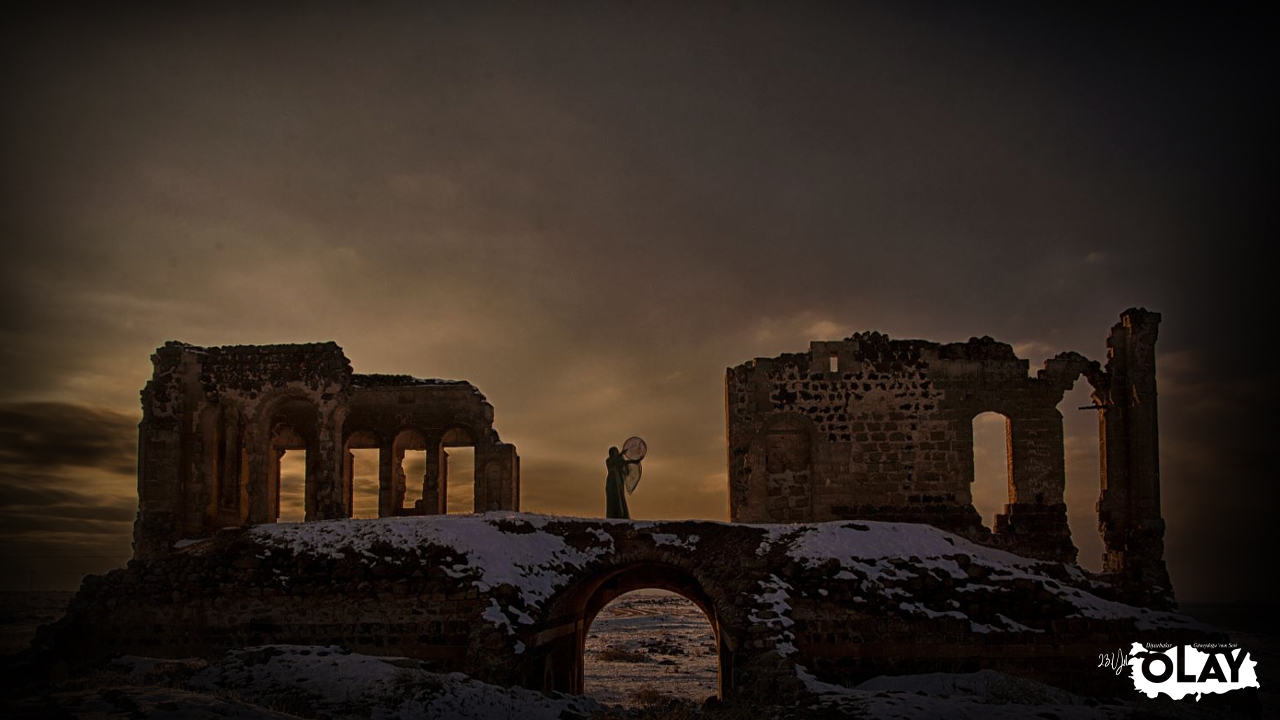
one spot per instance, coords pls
(58, 435)
(67, 492)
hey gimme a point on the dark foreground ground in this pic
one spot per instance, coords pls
(644, 680)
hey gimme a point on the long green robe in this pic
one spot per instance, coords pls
(615, 490)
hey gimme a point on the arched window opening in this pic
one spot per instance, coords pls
(458, 471)
(647, 647)
(1082, 450)
(409, 470)
(291, 498)
(361, 475)
(991, 466)
(364, 482)
(293, 439)
(461, 468)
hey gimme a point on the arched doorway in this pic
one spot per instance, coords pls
(562, 667)
(649, 646)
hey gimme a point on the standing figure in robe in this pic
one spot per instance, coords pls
(615, 486)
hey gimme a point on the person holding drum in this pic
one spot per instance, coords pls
(624, 475)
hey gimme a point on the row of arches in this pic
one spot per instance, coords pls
(294, 460)
(365, 487)
(407, 491)
(246, 435)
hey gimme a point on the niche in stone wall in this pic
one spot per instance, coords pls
(788, 449)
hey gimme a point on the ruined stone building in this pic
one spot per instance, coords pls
(863, 429)
(216, 421)
(875, 428)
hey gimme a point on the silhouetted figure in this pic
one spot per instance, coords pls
(615, 486)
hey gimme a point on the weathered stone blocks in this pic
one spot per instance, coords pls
(216, 420)
(876, 428)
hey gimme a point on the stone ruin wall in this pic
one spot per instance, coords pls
(217, 420)
(770, 610)
(875, 428)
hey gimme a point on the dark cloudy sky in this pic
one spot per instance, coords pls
(590, 210)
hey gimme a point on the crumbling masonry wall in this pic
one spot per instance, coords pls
(874, 428)
(510, 598)
(216, 421)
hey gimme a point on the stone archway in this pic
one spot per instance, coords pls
(563, 667)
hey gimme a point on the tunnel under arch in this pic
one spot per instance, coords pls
(578, 607)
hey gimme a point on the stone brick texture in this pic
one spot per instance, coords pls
(875, 428)
(215, 421)
(770, 611)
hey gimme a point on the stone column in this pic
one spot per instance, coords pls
(386, 478)
(480, 490)
(348, 482)
(1129, 507)
(261, 459)
(324, 476)
(230, 481)
(434, 482)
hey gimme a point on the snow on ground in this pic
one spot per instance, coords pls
(516, 549)
(490, 557)
(652, 627)
(647, 643)
(540, 562)
(874, 551)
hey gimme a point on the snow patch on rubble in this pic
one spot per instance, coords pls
(876, 551)
(534, 563)
(515, 549)
(688, 543)
(775, 597)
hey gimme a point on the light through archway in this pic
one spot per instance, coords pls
(292, 497)
(1082, 454)
(365, 482)
(990, 466)
(461, 464)
(648, 646)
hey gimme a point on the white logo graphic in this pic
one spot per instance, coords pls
(1181, 670)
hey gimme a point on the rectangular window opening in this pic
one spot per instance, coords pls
(415, 468)
(364, 483)
(462, 486)
(291, 505)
